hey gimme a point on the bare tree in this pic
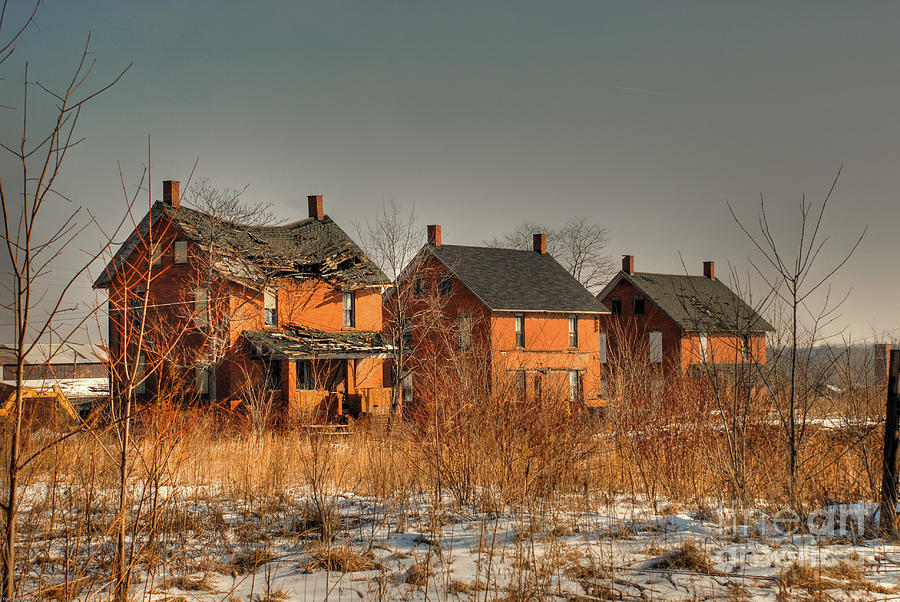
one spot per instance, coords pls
(579, 246)
(29, 209)
(793, 277)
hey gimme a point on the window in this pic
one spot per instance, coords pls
(350, 309)
(601, 353)
(406, 388)
(464, 331)
(180, 251)
(746, 348)
(615, 306)
(139, 376)
(520, 330)
(655, 347)
(638, 306)
(573, 331)
(305, 380)
(270, 303)
(704, 347)
(137, 308)
(273, 375)
(156, 254)
(406, 333)
(519, 383)
(201, 374)
(445, 285)
(574, 385)
(420, 287)
(201, 307)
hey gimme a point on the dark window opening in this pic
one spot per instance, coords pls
(420, 286)
(520, 385)
(445, 286)
(615, 306)
(638, 306)
(273, 375)
(305, 380)
(520, 330)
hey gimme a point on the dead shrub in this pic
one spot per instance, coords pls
(418, 574)
(340, 559)
(688, 556)
(187, 583)
(249, 560)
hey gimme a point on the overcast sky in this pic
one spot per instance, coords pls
(643, 117)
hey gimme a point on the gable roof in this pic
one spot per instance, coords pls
(695, 303)
(307, 248)
(513, 280)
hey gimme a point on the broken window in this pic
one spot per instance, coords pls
(407, 332)
(445, 285)
(615, 306)
(655, 347)
(137, 308)
(704, 347)
(573, 331)
(181, 251)
(520, 330)
(464, 331)
(350, 309)
(420, 286)
(270, 303)
(638, 306)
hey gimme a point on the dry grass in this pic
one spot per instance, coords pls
(688, 556)
(340, 559)
(841, 576)
(250, 560)
(418, 574)
(187, 583)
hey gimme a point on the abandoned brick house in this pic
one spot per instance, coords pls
(682, 321)
(235, 313)
(533, 328)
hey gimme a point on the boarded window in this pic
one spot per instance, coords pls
(406, 388)
(270, 303)
(201, 307)
(181, 247)
(464, 331)
(520, 330)
(350, 309)
(573, 331)
(601, 353)
(519, 385)
(574, 385)
(655, 347)
(615, 306)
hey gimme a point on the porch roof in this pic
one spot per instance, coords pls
(296, 342)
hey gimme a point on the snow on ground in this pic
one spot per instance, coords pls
(409, 550)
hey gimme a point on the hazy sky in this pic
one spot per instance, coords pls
(644, 117)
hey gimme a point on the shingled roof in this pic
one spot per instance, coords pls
(308, 248)
(513, 280)
(695, 303)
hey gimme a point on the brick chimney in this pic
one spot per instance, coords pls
(709, 269)
(434, 235)
(172, 192)
(540, 244)
(628, 264)
(316, 206)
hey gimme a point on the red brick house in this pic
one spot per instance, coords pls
(227, 312)
(518, 317)
(682, 320)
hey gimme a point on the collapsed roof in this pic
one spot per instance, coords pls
(296, 342)
(309, 248)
